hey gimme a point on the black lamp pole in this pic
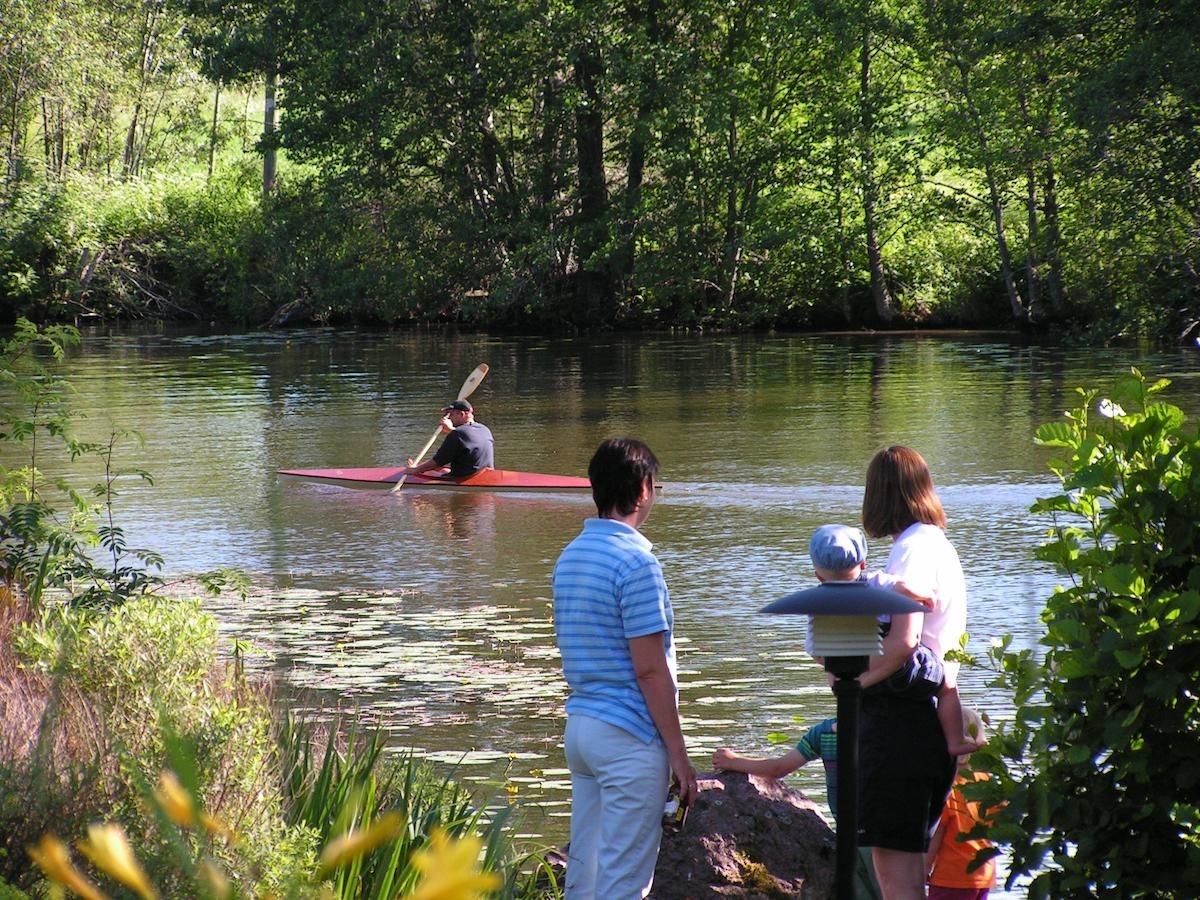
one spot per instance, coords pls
(845, 632)
(848, 692)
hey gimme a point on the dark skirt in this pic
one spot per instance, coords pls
(905, 772)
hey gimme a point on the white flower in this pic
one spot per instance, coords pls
(1109, 410)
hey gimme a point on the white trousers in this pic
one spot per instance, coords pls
(618, 788)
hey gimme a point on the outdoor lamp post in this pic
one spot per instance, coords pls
(845, 631)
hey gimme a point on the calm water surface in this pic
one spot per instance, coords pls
(431, 613)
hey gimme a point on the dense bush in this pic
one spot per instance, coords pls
(1101, 769)
(105, 693)
(173, 248)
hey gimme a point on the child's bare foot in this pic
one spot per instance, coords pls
(722, 757)
(965, 747)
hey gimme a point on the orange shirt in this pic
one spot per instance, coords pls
(953, 856)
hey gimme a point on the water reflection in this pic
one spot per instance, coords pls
(431, 612)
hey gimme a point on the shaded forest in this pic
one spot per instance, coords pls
(575, 165)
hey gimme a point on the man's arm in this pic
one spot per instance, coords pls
(898, 646)
(440, 457)
(418, 468)
(658, 688)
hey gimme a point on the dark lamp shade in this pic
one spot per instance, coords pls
(843, 598)
(844, 615)
(845, 636)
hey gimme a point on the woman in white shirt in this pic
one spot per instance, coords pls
(905, 770)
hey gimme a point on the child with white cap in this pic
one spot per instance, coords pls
(839, 553)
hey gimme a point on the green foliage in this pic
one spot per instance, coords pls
(34, 544)
(158, 698)
(1101, 769)
(576, 165)
(38, 547)
(352, 787)
(122, 692)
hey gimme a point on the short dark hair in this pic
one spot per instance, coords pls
(619, 470)
(899, 492)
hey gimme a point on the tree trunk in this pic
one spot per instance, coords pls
(589, 148)
(14, 139)
(549, 175)
(843, 242)
(592, 290)
(268, 136)
(1054, 280)
(731, 256)
(649, 101)
(885, 305)
(1018, 308)
(1033, 275)
(1019, 311)
(130, 141)
(212, 134)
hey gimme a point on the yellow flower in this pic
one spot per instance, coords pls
(214, 878)
(53, 858)
(180, 808)
(216, 826)
(175, 800)
(108, 848)
(356, 842)
(450, 869)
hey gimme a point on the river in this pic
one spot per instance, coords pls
(431, 614)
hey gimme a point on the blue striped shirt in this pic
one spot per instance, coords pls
(609, 588)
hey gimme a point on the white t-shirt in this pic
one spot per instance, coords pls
(925, 560)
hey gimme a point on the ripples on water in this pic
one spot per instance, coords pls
(430, 613)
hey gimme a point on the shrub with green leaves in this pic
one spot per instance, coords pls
(1101, 769)
(142, 679)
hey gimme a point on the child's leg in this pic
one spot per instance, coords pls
(949, 712)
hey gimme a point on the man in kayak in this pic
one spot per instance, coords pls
(468, 447)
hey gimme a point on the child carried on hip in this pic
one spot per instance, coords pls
(839, 553)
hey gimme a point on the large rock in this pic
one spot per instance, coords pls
(747, 837)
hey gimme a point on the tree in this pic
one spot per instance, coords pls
(1137, 97)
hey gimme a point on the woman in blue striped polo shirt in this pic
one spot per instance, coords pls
(613, 621)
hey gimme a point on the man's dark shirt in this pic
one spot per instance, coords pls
(466, 450)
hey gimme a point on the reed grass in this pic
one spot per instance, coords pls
(353, 783)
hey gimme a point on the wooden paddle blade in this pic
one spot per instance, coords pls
(473, 381)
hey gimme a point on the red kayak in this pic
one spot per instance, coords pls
(485, 480)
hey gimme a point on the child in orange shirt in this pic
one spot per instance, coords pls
(948, 858)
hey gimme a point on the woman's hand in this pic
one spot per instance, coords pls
(898, 646)
(682, 772)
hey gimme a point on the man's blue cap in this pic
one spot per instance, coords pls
(837, 547)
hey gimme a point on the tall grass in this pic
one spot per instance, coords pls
(350, 786)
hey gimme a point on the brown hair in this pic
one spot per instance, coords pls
(899, 492)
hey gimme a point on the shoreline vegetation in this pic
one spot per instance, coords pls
(503, 166)
(121, 718)
(137, 755)
(131, 717)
